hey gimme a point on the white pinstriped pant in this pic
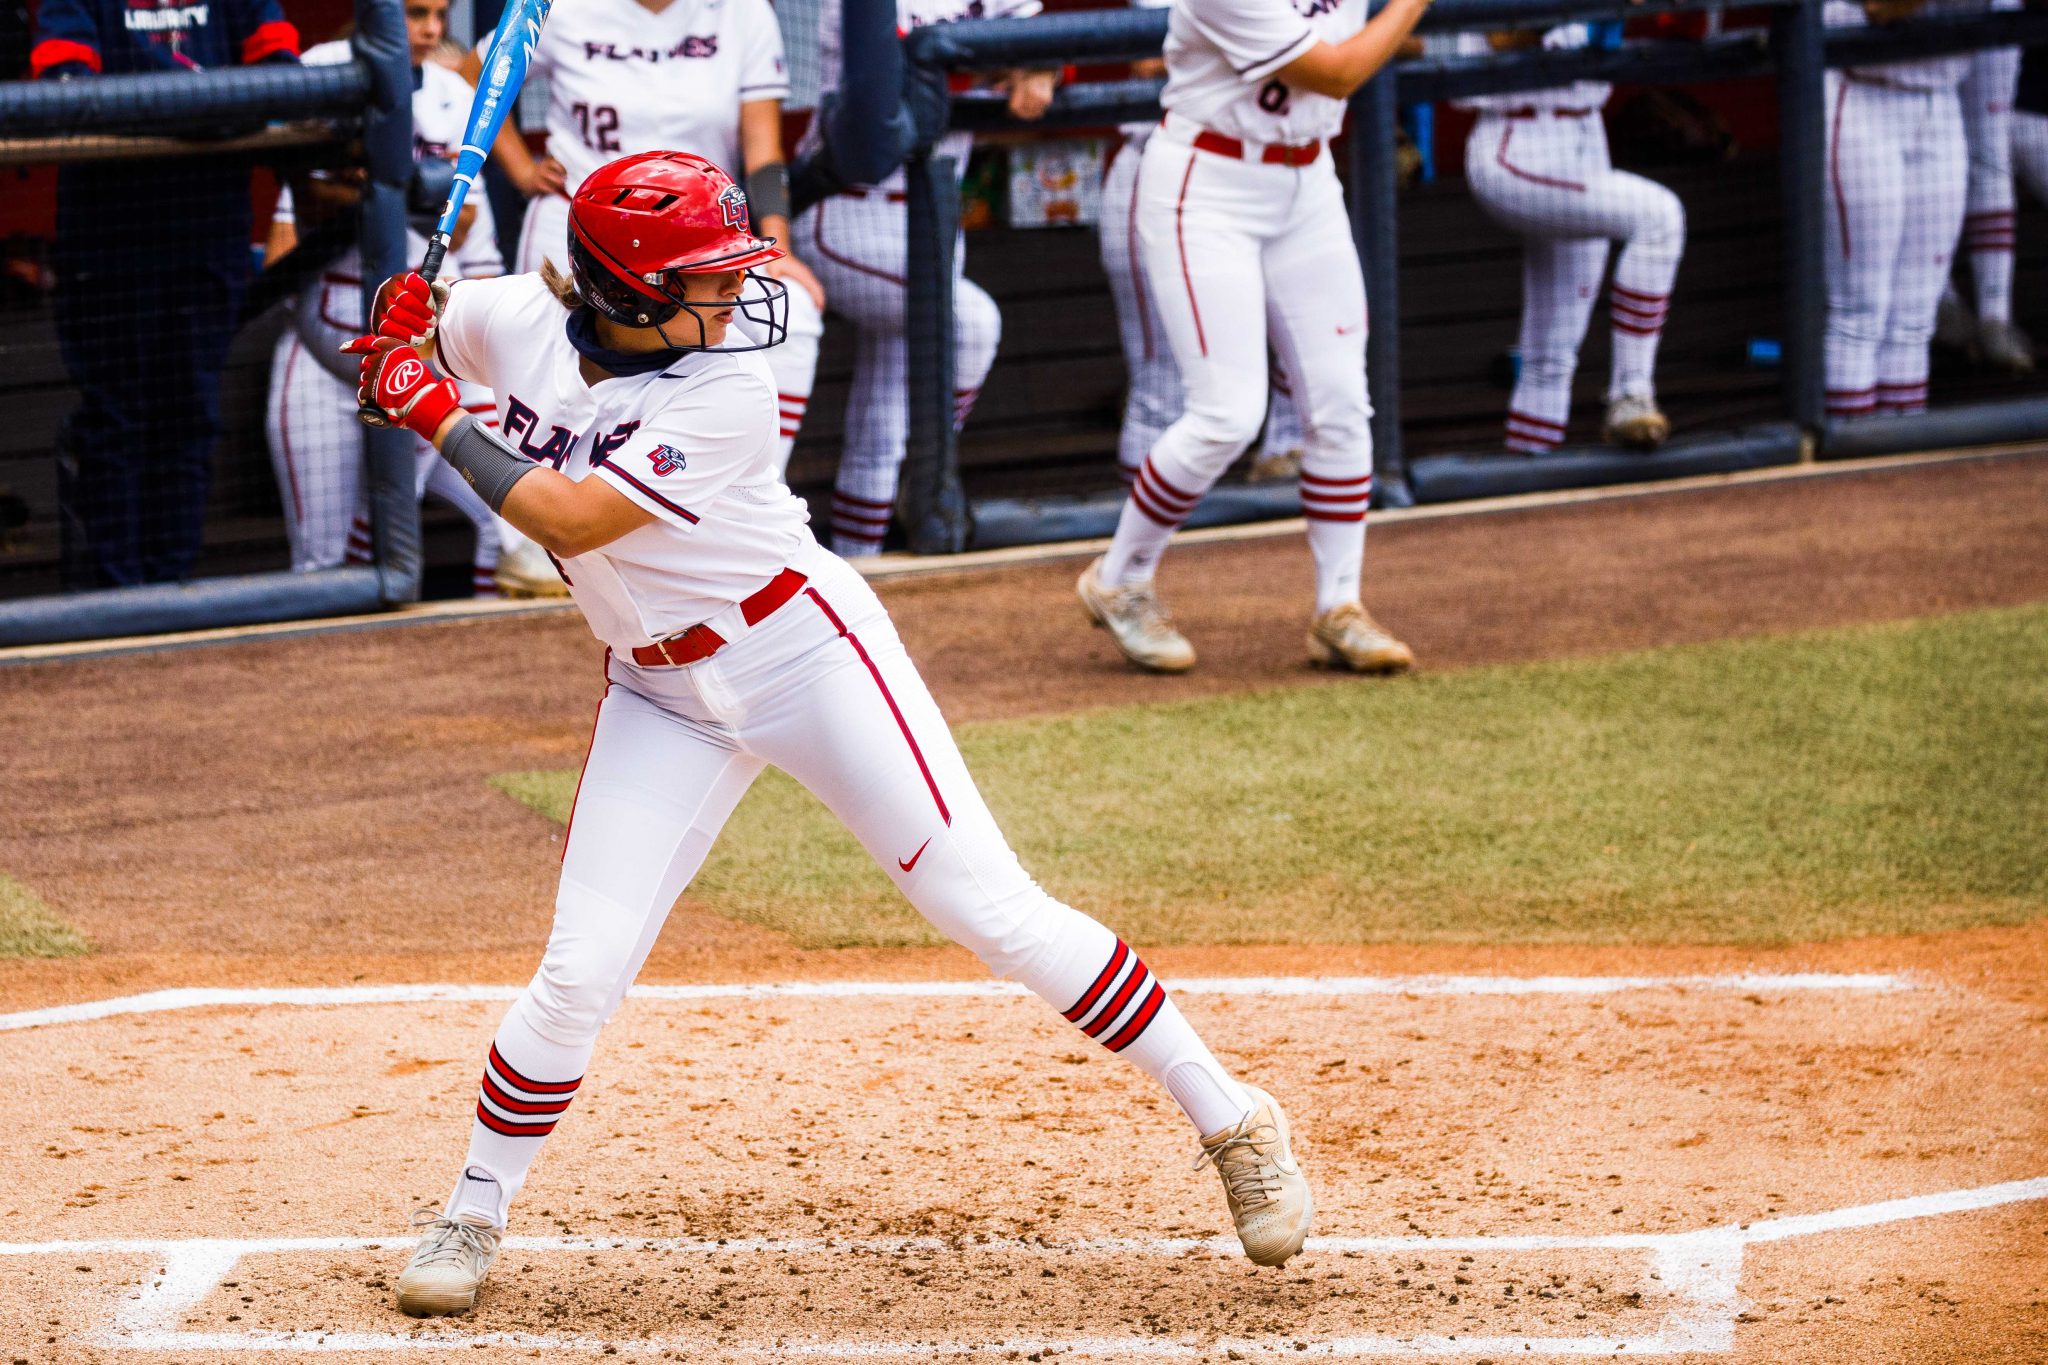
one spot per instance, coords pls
(1548, 178)
(857, 242)
(1897, 181)
(1989, 206)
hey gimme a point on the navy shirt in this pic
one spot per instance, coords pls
(122, 36)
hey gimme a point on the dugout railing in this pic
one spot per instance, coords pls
(1791, 51)
(244, 116)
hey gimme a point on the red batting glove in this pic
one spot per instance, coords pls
(409, 309)
(397, 387)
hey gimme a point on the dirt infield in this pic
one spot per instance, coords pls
(906, 1177)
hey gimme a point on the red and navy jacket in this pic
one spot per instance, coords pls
(122, 36)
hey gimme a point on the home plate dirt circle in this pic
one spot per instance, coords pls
(1592, 1166)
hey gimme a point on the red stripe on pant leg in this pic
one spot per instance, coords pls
(1080, 1008)
(570, 828)
(1180, 239)
(1133, 983)
(1128, 1034)
(931, 783)
(498, 1125)
(1835, 165)
(532, 1087)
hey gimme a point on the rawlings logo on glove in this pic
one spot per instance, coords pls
(396, 387)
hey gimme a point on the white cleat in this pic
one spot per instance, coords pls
(524, 570)
(2002, 345)
(1633, 420)
(1137, 620)
(448, 1267)
(1271, 466)
(1348, 637)
(1268, 1195)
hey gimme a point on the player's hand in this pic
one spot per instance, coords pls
(795, 274)
(1030, 93)
(409, 309)
(548, 177)
(395, 387)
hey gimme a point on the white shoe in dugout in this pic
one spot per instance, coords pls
(448, 1267)
(1634, 420)
(1268, 1195)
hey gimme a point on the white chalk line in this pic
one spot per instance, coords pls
(205, 997)
(1701, 1270)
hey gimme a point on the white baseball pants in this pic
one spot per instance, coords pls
(1245, 251)
(794, 363)
(1153, 398)
(823, 690)
(1546, 175)
(1897, 173)
(1989, 207)
(857, 242)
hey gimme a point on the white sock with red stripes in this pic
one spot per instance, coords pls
(1988, 236)
(1158, 504)
(527, 1085)
(1105, 989)
(1638, 322)
(858, 524)
(1334, 498)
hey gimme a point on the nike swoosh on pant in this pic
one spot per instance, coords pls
(914, 857)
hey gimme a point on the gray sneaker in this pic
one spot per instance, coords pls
(1137, 620)
(1633, 420)
(449, 1265)
(2003, 346)
(1268, 1195)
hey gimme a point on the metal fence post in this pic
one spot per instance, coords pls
(1796, 41)
(380, 44)
(929, 498)
(1375, 118)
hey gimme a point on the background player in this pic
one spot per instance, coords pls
(635, 75)
(1153, 398)
(858, 240)
(316, 445)
(1239, 205)
(1989, 216)
(734, 641)
(1537, 162)
(1897, 167)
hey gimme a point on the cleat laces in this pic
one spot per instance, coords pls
(1250, 1176)
(451, 1241)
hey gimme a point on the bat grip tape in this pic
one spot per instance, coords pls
(483, 459)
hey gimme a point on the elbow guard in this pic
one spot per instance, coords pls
(485, 462)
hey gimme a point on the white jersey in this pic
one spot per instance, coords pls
(1577, 95)
(1934, 73)
(910, 14)
(623, 78)
(694, 444)
(440, 115)
(1222, 56)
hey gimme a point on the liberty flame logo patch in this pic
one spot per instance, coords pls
(732, 202)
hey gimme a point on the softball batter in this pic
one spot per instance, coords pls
(1244, 231)
(646, 463)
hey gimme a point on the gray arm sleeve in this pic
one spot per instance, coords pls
(768, 191)
(481, 456)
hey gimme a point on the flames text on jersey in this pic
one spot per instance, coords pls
(520, 422)
(696, 45)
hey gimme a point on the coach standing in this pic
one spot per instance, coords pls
(151, 260)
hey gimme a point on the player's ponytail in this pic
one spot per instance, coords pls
(559, 284)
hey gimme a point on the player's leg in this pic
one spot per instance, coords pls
(1285, 436)
(316, 451)
(1560, 278)
(544, 235)
(656, 789)
(1652, 242)
(977, 332)
(1316, 315)
(1988, 217)
(1153, 398)
(1936, 176)
(855, 724)
(1865, 211)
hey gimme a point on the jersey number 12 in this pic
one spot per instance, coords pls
(598, 126)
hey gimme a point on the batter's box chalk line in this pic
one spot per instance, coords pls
(1701, 1270)
(202, 997)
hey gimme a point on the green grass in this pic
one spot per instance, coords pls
(28, 929)
(1868, 781)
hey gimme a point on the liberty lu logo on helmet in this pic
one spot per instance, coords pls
(732, 203)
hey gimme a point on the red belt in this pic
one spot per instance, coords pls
(1531, 111)
(893, 196)
(1274, 154)
(701, 641)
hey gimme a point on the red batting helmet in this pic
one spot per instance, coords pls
(639, 222)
